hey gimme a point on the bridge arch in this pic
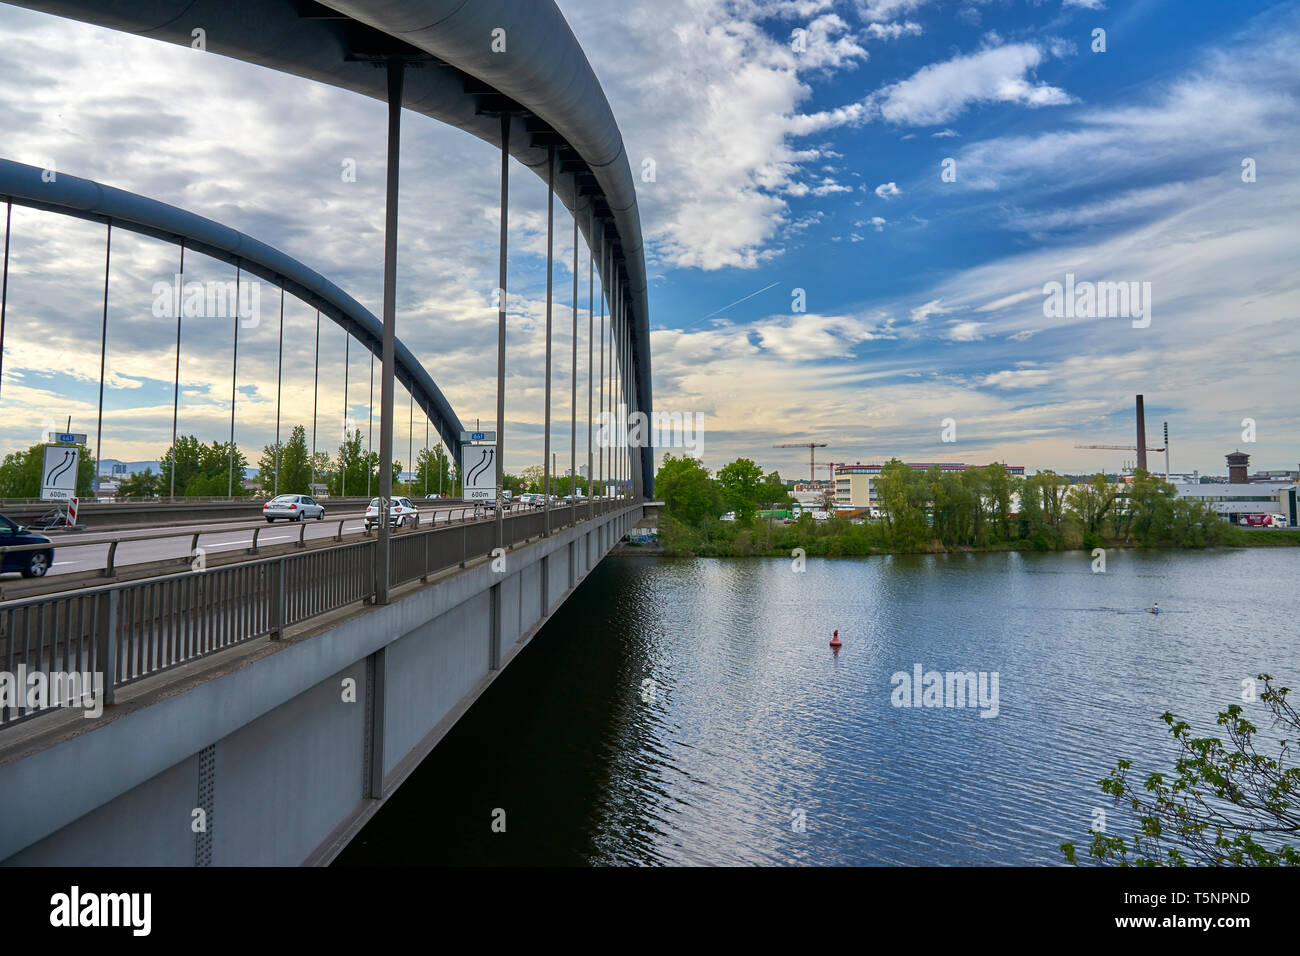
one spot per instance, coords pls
(85, 199)
(541, 80)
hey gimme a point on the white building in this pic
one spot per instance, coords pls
(1236, 502)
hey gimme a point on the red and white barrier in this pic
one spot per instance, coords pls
(72, 512)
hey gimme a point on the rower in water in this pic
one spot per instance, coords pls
(1154, 609)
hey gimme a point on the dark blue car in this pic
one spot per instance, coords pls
(33, 563)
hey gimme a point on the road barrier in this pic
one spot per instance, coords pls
(132, 630)
(139, 514)
(111, 568)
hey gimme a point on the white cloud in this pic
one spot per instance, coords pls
(944, 134)
(682, 77)
(1061, 47)
(1085, 4)
(1019, 378)
(893, 31)
(888, 191)
(886, 9)
(828, 187)
(923, 312)
(803, 222)
(806, 336)
(1012, 299)
(1186, 123)
(965, 331)
(941, 91)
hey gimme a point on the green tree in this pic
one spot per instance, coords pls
(534, 478)
(1149, 512)
(349, 471)
(21, 473)
(954, 503)
(323, 470)
(1042, 497)
(903, 494)
(187, 454)
(1000, 486)
(143, 484)
(203, 471)
(742, 485)
(294, 467)
(432, 468)
(1223, 799)
(1090, 505)
(222, 472)
(689, 494)
(773, 492)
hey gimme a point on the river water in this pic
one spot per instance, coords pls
(690, 711)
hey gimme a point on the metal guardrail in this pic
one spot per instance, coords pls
(129, 631)
(110, 568)
(182, 500)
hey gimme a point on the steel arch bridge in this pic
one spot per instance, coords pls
(511, 73)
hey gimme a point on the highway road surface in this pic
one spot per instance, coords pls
(142, 545)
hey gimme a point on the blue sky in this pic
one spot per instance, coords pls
(776, 169)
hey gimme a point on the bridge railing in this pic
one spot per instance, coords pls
(122, 633)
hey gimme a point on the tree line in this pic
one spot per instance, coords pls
(973, 508)
(931, 510)
(213, 471)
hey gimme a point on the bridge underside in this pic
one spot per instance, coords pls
(277, 752)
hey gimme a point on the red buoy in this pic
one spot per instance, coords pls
(835, 640)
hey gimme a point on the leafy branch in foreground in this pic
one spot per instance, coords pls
(1224, 799)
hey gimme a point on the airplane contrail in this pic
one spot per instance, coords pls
(729, 305)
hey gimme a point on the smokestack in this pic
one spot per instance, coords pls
(1142, 436)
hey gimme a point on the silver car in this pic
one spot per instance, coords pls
(292, 508)
(400, 512)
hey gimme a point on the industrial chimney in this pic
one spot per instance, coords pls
(1142, 435)
(1238, 465)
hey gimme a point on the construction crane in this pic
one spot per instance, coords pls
(1141, 447)
(1133, 448)
(812, 453)
(1119, 447)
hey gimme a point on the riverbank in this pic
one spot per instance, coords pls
(636, 548)
(841, 539)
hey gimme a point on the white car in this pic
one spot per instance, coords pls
(292, 508)
(400, 513)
